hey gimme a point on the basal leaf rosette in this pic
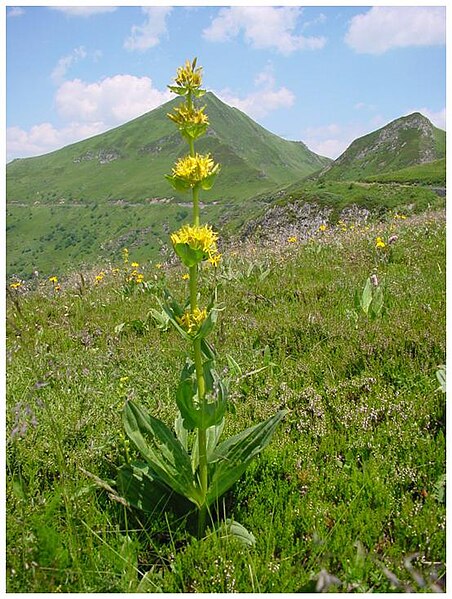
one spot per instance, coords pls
(188, 80)
(194, 171)
(191, 122)
(195, 243)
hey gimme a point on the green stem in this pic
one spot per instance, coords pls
(202, 435)
(196, 206)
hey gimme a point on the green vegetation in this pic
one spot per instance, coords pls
(407, 141)
(132, 158)
(352, 484)
(61, 238)
(432, 173)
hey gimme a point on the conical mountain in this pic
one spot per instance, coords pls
(407, 141)
(129, 162)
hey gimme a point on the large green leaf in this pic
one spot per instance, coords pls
(366, 297)
(157, 444)
(231, 457)
(144, 491)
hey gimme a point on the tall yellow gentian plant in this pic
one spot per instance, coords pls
(191, 464)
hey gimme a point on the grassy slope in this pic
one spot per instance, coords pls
(432, 173)
(55, 238)
(351, 480)
(62, 214)
(384, 158)
(254, 160)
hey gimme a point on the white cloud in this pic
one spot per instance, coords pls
(15, 11)
(83, 11)
(87, 109)
(264, 100)
(44, 138)
(113, 100)
(263, 27)
(149, 33)
(333, 139)
(59, 72)
(385, 27)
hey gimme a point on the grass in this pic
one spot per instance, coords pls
(432, 173)
(55, 237)
(352, 483)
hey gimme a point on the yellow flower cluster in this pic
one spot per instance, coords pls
(189, 76)
(99, 278)
(198, 238)
(193, 169)
(15, 285)
(192, 320)
(292, 239)
(136, 277)
(379, 243)
(184, 115)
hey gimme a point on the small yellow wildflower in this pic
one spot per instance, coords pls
(53, 280)
(159, 266)
(99, 277)
(123, 379)
(15, 285)
(214, 260)
(115, 271)
(322, 227)
(191, 321)
(379, 243)
(185, 277)
(57, 288)
(125, 255)
(139, 278)
(194, 169)
(293, 239)
(135, 265)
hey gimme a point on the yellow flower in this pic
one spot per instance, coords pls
(185, 277)
(188, 76)
(99, 277)
(53, 279)
(292, 239)
(125, 255)
(214, 260)
(192, 320)
(185, 115)
(194, 169)
(379, 243)
(135, 265)
(322, 227)
(197, 238)
(158, 265)
(15, 285)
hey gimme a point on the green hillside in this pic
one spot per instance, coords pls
(432, 173)
(405, 142)
(129, 162)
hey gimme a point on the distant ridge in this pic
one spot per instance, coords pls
(408, 141)
(129, 162)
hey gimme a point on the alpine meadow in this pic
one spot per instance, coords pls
(226, 359)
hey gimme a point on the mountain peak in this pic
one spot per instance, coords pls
(409, 140)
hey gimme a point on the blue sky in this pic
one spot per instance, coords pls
(320, 74)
